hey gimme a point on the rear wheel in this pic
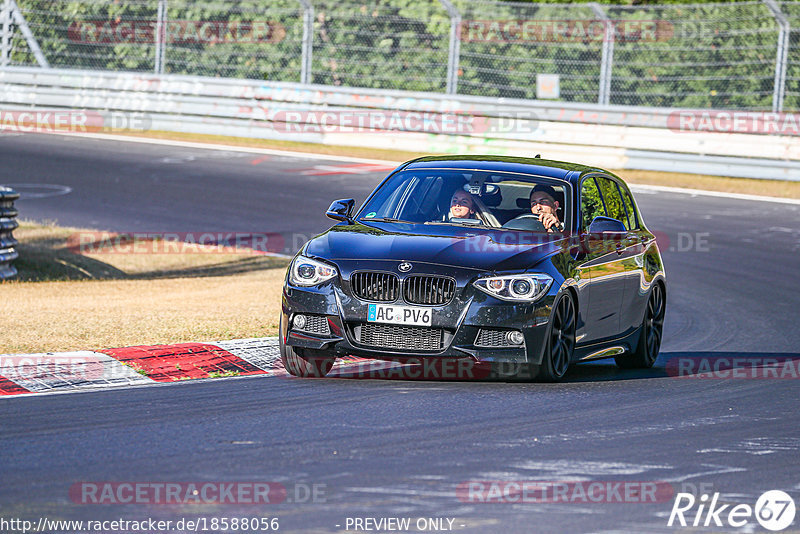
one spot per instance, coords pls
(305, 363)
(650, 334)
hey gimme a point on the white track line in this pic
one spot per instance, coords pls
(228, 148)
(699, 192)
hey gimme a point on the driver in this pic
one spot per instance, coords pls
(462, 206)
(545, 206)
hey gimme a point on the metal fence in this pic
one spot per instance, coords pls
(733, 55)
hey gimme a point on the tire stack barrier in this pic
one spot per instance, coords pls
(8, 223)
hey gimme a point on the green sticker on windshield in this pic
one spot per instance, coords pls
(371, 215)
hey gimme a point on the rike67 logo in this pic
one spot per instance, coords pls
(774, 510)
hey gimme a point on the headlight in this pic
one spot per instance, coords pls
(516, 287)
(307, 272)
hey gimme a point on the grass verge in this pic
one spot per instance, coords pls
(63, 300)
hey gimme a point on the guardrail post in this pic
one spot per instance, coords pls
(781, 56)
(26, 32)
(8, 223)
(5, 36)
(454, 50)
(308, 41)
(607, 57)
(161, 41)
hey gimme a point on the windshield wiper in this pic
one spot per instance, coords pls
(458, 223)
(383, 219)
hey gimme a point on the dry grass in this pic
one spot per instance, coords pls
(768, 188)
(776, 188)
(67, 301)
(75, 315)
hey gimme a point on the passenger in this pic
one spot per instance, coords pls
(462, 206)
(545, 206)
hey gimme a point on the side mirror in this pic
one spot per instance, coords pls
(342, 210)
(601, 225)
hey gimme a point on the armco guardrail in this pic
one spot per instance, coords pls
(618, 137)
(8, 223)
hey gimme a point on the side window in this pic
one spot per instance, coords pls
(386, 199)
(421, 199)
(591, 205)
(612, 200)
(626, 198)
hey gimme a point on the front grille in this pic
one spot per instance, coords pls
(316, 324)
(432, 290)
(401, 337)
(492, 338)
(382, 287)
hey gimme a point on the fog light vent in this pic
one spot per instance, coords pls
(499, 338)
(312, 324)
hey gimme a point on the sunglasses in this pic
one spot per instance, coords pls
(542, 202)
(461, 202)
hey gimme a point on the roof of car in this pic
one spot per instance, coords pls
(538, 166)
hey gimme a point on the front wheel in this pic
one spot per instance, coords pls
(305, 363)
(650, 334)
(560, 343)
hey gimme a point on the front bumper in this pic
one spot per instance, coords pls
(461, 320)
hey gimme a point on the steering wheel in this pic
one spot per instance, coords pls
(527, 221)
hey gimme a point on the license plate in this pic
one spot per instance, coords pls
(383, 313)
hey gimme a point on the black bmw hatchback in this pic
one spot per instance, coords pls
(515, 263)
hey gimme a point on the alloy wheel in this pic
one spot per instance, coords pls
(654, 322)
(562, 336)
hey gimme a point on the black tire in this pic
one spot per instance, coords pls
(650, 333)
(560, 341)
(305, 363)
(560, 344)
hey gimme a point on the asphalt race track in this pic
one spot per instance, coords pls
(397, 448)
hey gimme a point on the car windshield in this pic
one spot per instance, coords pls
(469, 198)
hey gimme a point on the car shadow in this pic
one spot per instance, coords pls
(702, 364)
